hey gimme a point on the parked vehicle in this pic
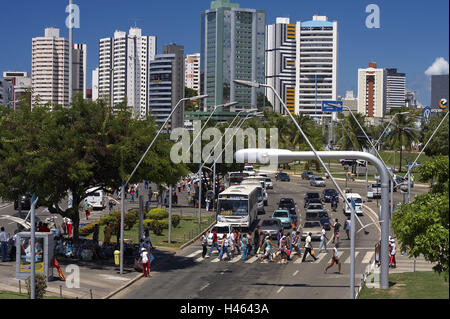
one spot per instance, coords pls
(374, 191)
(311, 195)
(317, 182)
(97, 198)
(221, 229)
(307, 175)
(269, 184)
(358, 204)
(328, 194)
(284, 217)
(283, 177)
(314, 208)
(249, 170)
(271, 226)
(313, 201)
(313, 227)
(289, 204)
(325, 220)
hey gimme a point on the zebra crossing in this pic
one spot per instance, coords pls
(344, 255)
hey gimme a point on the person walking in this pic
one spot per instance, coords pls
(204, 244)
(337, 228)
(207, 203)
(214, 244)
(86, 208)
(282, 250)
(256, 240)
(12, 254)
(237, 239)
(296, 242)
(4, 238)
(323, 240)
(244, 243)
(111, 205)
(347, 227)
(132, 192)
(267, 246)
(224, 247)
(308, 248)
(232, 243)
(392, 248)
(145, 262)
(334, 260)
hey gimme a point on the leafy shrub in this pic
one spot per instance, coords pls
(164, 223)
(176, 219)
(112, 218)
(40, 284)
(148, 221)
(131, 218)
(89, 228)
(157, 227)
(157, 214)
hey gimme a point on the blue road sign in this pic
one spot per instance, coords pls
(332, 106)
(426, 112)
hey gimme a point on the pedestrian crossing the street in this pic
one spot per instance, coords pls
(361, 257)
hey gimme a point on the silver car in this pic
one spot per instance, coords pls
(317, 182)
(313, 227)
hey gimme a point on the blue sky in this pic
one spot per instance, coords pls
(413, 34)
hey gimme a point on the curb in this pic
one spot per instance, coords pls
(115, 292)
(197, 237)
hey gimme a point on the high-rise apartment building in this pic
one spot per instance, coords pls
(50, 69)
(165, 90)
(281, 49)
(124, 62)
(411, 99)
(395, 89)
(439, 89)
(372, 91)
(192, 72)
(20, 82)
(79, 69)
(95, 84)
(316, 65)
(232, 47)
(5, 92)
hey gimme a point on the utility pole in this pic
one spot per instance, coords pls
(70, 52)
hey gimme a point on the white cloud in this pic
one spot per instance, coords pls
(439, 67)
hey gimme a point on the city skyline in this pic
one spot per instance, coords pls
(423, 42)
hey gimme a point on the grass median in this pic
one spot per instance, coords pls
(410, 285)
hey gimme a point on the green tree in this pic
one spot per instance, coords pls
(190, 106)
(439, 144)
(51, 152)
(402, 133)
(348, 131)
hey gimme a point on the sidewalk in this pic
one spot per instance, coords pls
(405, 264)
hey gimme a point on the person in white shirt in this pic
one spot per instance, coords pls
(334, 259)
(347, 227)
(323, 241)
(145, 262)
(4, 238)
(392, 261)
(204, 245)
(308, 248)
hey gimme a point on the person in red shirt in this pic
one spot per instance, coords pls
(214, 244)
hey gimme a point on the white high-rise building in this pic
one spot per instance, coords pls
(372, 91)
(50, 69)
(124, 69)
(95, 84)
(192, 71)
(395, 89)
(316, 65)
(79, 69)
(281, 46)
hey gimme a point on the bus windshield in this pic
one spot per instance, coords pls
(233, 207)
(260, 195)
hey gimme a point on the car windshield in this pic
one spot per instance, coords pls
(358, 201)
(283, 174)
(269, 222)
(285, 201)
(280, 214)
(376, 185)
(268, 180)
(312, 215)
(220, 230)
(323, 214)
(330, 192)
(233, 207)
(311, 224)
(315, 207)
(312, 195)
(319, 179)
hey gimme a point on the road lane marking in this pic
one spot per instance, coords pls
(347, 261)
(7, 206)
(199, 260)
(194, 254)
(295, 273)
(321, 256)
(215, 260)
(279, 290)
(204, 287)
(368, 257)
(235, 259)
(252, 260)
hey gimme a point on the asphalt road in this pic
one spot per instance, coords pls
(191, 277)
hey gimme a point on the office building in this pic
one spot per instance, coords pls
(395, 89)
(371, 91)
(79, 69)
(192, 72)
(316, 67)
(50, 69)
(349, 101)
(439, 89)
(95, 84)
(281, 49)
(20, 83)
(5, 92)
(124, 62)
(232, 47)
(411, 99)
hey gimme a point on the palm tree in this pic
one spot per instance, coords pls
(402, 133)
(348, 131)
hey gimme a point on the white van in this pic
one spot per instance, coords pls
(97, 199)
(358, 204)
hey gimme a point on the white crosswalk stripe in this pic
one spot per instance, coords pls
(321, 256)
(347, 261)
(252, 260)
(215, 260)
(199, 260)
(194, 254)
(235, 259)
(368, 257)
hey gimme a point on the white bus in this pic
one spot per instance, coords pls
(238, 206)
(97, 199)
(262, 181)
(262, 194)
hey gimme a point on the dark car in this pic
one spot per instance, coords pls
(311, 195)
(325, 220)
(271, 226)
(328, 194)
(25, 202)
(283, 177)
(288, 204)
(347, 162)
(307, 175)
(313, 201)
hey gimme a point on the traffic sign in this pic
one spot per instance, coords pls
(426, 112)
(332, 106)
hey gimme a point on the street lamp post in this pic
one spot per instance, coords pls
(122, 218)
(385, 230)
